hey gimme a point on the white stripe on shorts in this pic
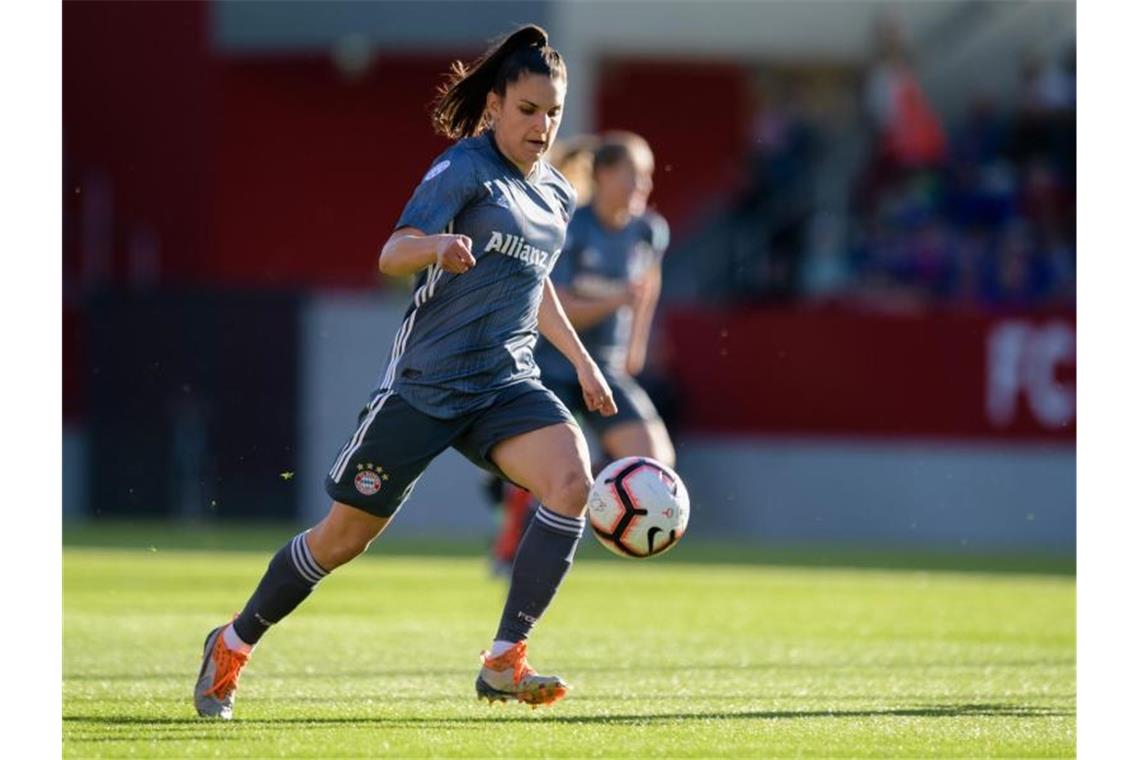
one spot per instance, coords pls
(358, 437)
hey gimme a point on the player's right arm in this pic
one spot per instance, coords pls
(409, 250)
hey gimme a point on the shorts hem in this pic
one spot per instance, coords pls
(362, 503)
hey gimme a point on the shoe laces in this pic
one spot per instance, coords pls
(515, 657)
(228, 665)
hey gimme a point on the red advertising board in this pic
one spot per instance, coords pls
(824, 372)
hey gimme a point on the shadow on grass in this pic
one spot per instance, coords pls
(967, 710)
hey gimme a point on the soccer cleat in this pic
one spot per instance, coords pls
(218, 678)
(510, 676)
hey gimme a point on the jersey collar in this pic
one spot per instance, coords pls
(489, 135)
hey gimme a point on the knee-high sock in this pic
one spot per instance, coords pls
(291, 576)
(543, 558)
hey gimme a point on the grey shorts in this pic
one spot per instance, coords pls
(394, 443)
(633, 403)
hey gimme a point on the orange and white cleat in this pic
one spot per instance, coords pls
(218, 677)
(510, 676)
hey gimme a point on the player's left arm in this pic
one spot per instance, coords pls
(556, 328)
(643, 310)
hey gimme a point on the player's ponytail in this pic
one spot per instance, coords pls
(458, 111)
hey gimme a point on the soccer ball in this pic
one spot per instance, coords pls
(638, 507)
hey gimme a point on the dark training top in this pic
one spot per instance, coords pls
(465, 337)
(598, 261)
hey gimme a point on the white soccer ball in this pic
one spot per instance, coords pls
(638, 507)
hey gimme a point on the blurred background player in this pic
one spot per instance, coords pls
(608, 280)
(574, 157)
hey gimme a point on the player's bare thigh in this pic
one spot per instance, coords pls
(552, 463)
(647, 438)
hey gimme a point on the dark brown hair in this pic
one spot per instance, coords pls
(458, 111)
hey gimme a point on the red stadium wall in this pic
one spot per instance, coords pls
(138, 85)
(314, 168)
(809, 372)
(138, 139)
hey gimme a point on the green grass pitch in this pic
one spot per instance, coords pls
(666, 658)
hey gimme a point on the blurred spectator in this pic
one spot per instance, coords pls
(1046, 87)
(978, 213)
(772, 207)
(826, 273)
(972, 252)
(994, 225)
(1045, 122)
(907, 130)
(1019, 276)
(1045, 200)
(983, 137)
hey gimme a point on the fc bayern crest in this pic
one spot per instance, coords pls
(368, 482)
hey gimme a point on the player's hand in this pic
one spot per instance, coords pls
(595, 390)
(453, 253)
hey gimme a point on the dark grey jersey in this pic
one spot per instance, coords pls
(467, 336)
(597, 261)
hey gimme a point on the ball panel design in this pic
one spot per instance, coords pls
(638, 507)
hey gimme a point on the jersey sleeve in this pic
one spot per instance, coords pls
(449, 185)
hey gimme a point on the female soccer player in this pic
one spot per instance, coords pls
(483, 230)
(607, 279)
